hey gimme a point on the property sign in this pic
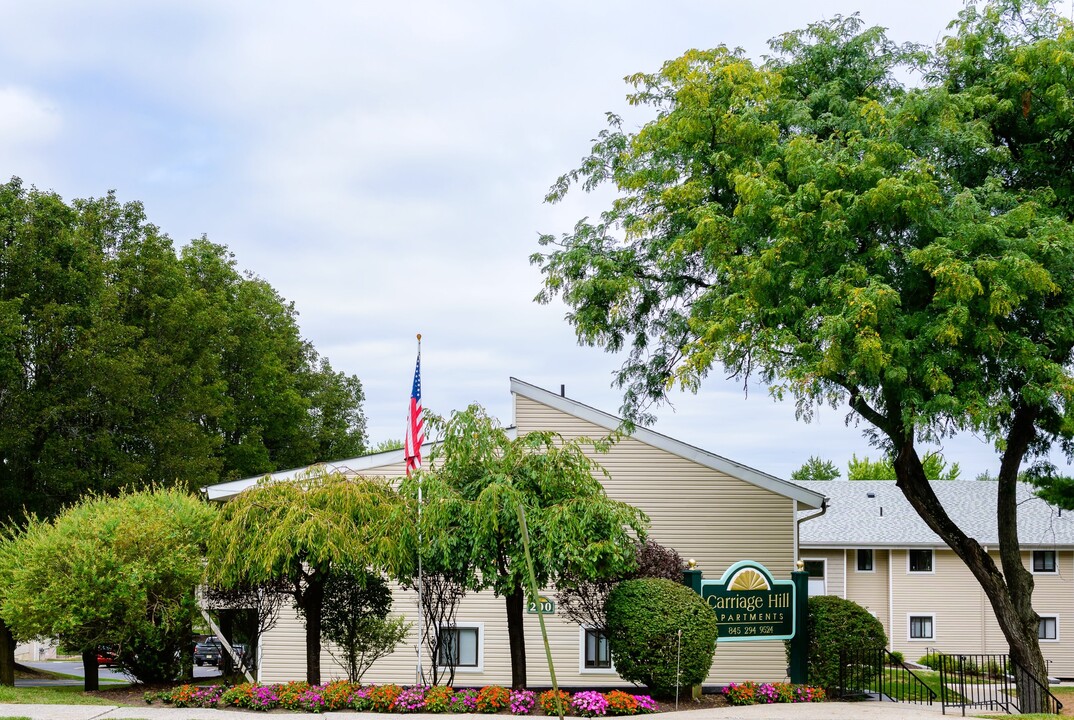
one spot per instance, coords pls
(543, 606)
(750, 604)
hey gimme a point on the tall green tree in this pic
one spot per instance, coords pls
(815, 468)
(124, 364)
(904, 252)
(297, 532)
(118, 570)
(478, 478)
(932, 464)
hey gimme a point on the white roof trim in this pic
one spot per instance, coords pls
(227, 490)
(224, 491)
(675, 447)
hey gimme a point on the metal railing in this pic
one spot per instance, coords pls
(876, 673)
(989, 681)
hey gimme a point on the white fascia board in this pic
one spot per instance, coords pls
(225, 491)
(675, 447)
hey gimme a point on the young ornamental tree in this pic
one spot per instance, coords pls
(297, 531)
(355, 619)
(479, 476)
(812, 222)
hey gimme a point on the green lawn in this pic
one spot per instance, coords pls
(895, 685)
(70, 695)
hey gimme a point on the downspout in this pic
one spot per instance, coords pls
(814, 516)
(891, 604)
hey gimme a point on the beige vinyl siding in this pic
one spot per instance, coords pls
(963, 619)
(1054, 595)
(833, 564)
(704, 514)
(870, 589)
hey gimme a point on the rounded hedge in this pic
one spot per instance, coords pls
(644, 618)
(835, 625)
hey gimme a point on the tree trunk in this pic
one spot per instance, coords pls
(516, 605)
(312, 601)
(1010, 593)
(7, 655)
(90, 670)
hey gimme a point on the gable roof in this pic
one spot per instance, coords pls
(809, 497)
(854, 516)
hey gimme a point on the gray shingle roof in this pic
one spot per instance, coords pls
(854, 518)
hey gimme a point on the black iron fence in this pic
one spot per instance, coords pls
(877, 674)
(988, 681)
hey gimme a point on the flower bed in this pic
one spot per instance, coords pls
(751, 693)
(342, 695)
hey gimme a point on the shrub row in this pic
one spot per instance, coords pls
(343, 695)
(751, 693)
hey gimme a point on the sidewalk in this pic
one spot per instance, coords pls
(803, 711)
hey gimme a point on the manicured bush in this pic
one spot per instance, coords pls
(836, 625)
(644, 620)
(897, 657)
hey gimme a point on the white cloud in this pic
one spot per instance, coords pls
(383, 165)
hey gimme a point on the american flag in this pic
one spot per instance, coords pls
(415, 434)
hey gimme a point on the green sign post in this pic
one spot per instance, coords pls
(750, 604)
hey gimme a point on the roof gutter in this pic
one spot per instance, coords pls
(814, 516)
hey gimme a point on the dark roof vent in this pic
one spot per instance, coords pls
(870, 495)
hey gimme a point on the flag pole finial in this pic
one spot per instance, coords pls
(419, 337)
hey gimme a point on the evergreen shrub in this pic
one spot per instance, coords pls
(644, 619)
(836, 625)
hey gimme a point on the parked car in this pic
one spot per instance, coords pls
(106, 655)
(207, 653)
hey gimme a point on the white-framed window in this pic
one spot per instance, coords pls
(865, 561)
(919, 561)
(594, 652)
(1044, 562)
(817, 570)
(921, 627)
(1048, 628)
(463, 647)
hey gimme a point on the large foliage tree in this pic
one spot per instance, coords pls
(478, 478)
(812, 221)
(110, 570)
(123, 363)
(297, 532)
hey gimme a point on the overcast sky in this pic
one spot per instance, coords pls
(383, 166)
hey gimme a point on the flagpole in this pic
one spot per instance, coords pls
(420, 680)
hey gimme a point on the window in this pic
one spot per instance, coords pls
(459, 646)
(921, 627)
(597, 655)
(920, 561)
(1048, 628)
(865, 561)
(1044, 561)
(816, 570)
